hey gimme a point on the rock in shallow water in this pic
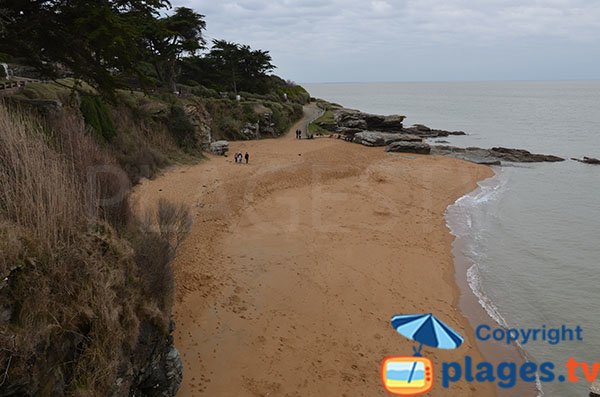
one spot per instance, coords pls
(523, 156)
(493, 156)
(588, 160)
(426, 132)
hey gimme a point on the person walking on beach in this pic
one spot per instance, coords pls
(247, 157)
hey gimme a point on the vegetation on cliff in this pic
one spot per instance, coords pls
(81, 278)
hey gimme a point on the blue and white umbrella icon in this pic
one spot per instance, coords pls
(427, 330)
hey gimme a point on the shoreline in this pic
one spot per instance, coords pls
(470, 303)
(310, 235)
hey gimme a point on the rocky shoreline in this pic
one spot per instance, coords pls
(388, 131)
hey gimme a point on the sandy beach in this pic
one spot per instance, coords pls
(296, 262)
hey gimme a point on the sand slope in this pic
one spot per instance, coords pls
(297, 261)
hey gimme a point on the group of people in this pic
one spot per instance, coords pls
(298, 134)
(239, 157)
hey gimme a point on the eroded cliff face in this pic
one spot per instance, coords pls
(157, 366)
(201, 120)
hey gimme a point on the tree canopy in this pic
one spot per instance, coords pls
(120, 43)
(230, 66)
(94, 39)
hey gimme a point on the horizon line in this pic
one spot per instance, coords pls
(454, 81)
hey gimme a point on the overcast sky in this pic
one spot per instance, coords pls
(414, 40)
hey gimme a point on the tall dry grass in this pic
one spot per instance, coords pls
(39, 190)
(73, 289)
(158, 236)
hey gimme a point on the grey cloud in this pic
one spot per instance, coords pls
(368, 40)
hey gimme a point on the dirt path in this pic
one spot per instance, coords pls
(297, 261)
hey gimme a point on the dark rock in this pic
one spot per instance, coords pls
(421, 127)
(347, 133)
(426, 132)
(522, 156)
(493, 156)
(408, 147)
(474, 155)
(348, 118)
(595, 389)
(588, 160)
(441, 141)
(376, 138)
(250, 131)
(159, 367)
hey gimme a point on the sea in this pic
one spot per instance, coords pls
(532, 232)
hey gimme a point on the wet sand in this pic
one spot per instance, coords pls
(296, 262)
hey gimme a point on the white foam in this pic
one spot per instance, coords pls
(459, 219)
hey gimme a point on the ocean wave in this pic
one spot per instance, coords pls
(460, 220)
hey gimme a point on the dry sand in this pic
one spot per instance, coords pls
(296, 262)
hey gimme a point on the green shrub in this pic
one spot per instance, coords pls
(284, 115)
(204, 92)
(295, 93)
(6, 58)
(182, 128)
(96, 115)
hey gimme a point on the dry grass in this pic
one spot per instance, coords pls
(38, 189)
(142, 147)
(73, 293)
(160, 233)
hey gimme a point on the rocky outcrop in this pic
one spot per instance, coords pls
(159, 371)
(251, 131)
(588, 160)
(266, 126)
(493, 156)
(346, 133)
(349, 122)
(474, 155)
(201, 120)
(219, 148)
(376, 138)
(426, 132)
(595, 389)
(523, 156)
(408, 147)
(348, 118)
